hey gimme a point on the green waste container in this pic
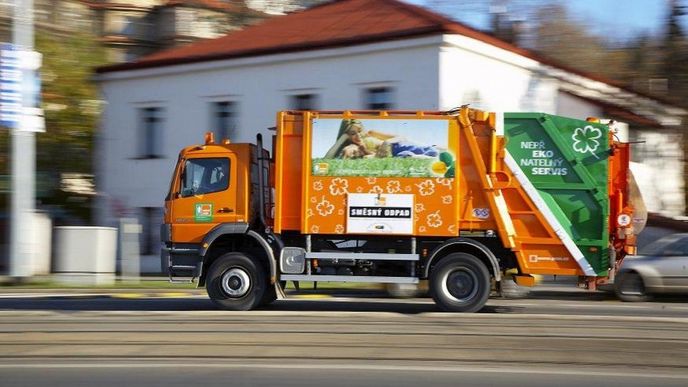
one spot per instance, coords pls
(566, 160)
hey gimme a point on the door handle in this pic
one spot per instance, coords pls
(225, 210)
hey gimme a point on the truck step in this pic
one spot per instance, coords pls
(182, 274)
(348, 278)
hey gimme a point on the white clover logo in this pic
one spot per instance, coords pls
(315, 229)
(419, 207)
(371, 180)
(377, 190)
(434, 220)
(325, 207)
(426, 188)
(394, 186)
(339, 187)
(447, 199)
(339, 229)
(444, 181)
(585, 140)
(318, 185)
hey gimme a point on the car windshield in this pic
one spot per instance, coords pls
(672, 245)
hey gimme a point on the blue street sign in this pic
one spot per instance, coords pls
(10, 86)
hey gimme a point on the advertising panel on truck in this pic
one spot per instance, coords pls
(381, 148)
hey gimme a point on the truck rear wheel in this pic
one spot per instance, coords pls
(460, 282)
(235, 282)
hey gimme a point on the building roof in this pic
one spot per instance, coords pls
(221, 5)
(120, 6)
(335, 24)
(619, 112)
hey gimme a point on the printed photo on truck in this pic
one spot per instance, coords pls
(385, 148)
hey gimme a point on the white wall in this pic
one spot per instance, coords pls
(658, 169)
(493, 79)
(261, 87)
(571, 106)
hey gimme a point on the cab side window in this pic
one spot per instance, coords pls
(203, 176)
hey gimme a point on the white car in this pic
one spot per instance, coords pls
(661, 267)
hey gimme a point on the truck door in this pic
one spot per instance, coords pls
(205, 196)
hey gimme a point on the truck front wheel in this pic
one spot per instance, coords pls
(235, 282)
(460, 282)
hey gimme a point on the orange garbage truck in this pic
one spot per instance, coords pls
(457, 198)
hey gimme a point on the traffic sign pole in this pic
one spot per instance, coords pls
(23, 157)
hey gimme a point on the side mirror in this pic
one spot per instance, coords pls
(186, 192)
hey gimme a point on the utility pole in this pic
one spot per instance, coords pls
(23, 155)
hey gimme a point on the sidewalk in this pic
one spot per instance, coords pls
(158, 287)
(47, 286)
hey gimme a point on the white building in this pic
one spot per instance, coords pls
(349, 54)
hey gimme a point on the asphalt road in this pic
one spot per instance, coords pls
(136, 340)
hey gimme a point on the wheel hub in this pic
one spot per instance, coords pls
(461, 285)
(236, 282)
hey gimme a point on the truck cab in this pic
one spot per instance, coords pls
(213, 192)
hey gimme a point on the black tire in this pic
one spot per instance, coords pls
(460, 282)
(629, 287)
(236, 282)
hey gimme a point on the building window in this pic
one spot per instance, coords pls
(303, 102)
(129, 26)
(224, 120)
(150, 219)
(379, 98)
(186, 19)
(151, 132)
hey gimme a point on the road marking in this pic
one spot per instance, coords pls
(127, 295)
(583, 371)
(52, 295)
(178, 294)
(310, 296)
(124, 295)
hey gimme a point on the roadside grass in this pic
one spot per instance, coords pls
(48, 282)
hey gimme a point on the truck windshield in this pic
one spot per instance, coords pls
(202, 176)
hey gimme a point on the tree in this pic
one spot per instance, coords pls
(676, 52)
(72, 111)
(558, 36)
(70, 100)
(72, 107)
